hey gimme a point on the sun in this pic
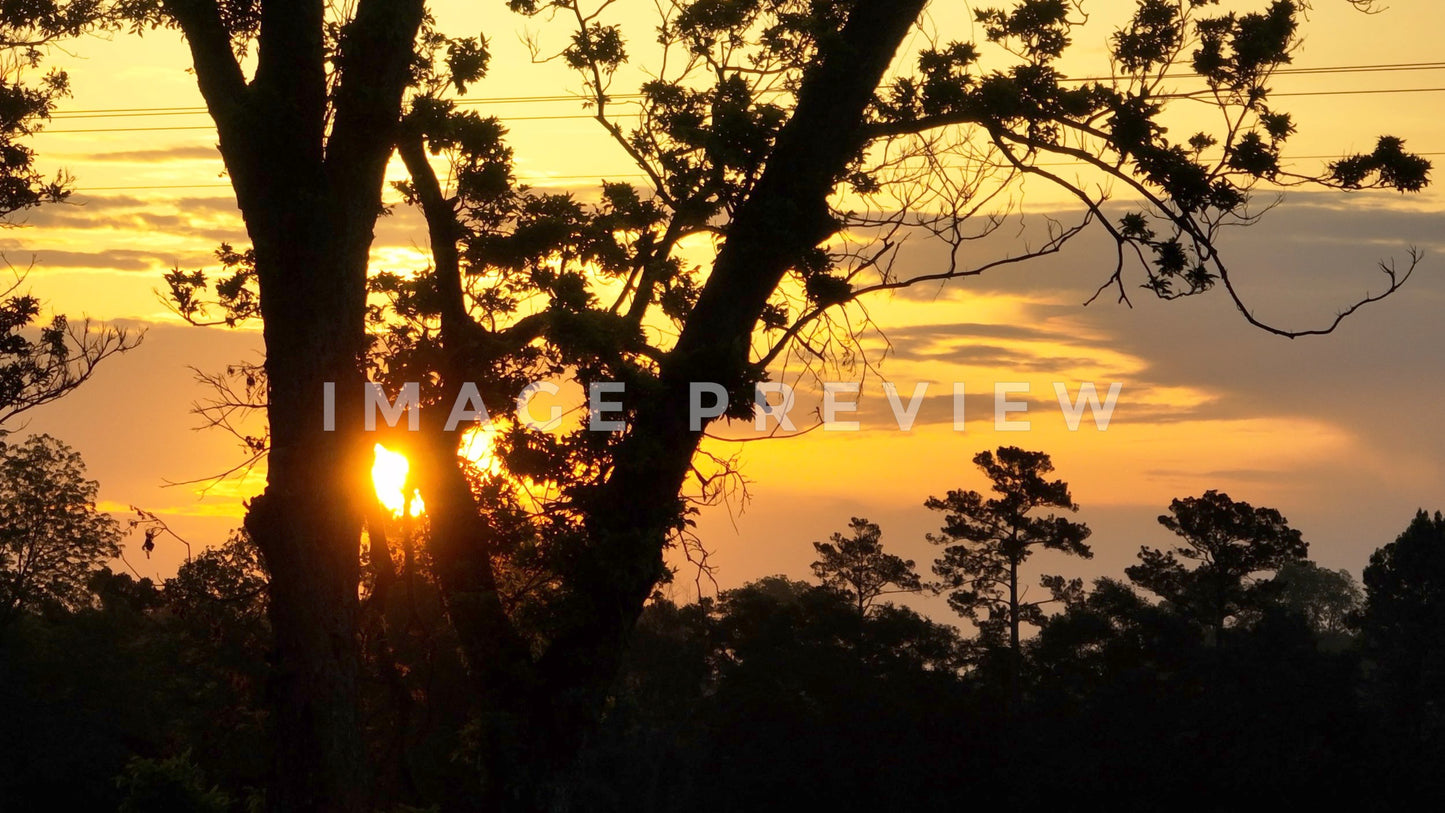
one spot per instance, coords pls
(388, 475)
(389, 470)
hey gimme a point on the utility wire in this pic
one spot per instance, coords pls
(604, 175)
(127, 112)
(587, 117)
(212, 127)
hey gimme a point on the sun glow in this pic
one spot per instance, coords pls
(388, 475)
(478, 448)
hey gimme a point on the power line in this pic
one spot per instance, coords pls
(534, 179)
(1319, 71)
(604, 175)
(179, 128)
(1356, 92)
(127, 112)
(110, 111)
(587, 117)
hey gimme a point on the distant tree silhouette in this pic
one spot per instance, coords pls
(1331, 600)
(52, 537)
(759, 128)
(1272, 716)
(173, 676)
(736, 696)
(987, 540)
(1404, 632)
(857, 567)
(1230, 544)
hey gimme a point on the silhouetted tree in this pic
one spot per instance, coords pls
(739, 695)
(1230, 544)
(305, 140)
(1272, 716)
(38, 363)
(52, 537)
(766, 116)
(28, 95)
(986, 540)
(1403, 627)
(1330, 600)
(857, 567)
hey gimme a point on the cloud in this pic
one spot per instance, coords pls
(185, 153)
(193, 226)
(115, 259)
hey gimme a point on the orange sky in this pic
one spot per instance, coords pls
(1340, 433)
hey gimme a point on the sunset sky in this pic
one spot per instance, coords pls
(1341, 433)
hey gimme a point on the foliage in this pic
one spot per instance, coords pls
(141, 697)
(1230, 543)
(857, 567)
(166, 785)
(725, 702)
(1403, 626)
(52, 536)
(1331, 600)
(40, 366)
(138, 675)
(1404, 582)
(27, 30)
(986, 540)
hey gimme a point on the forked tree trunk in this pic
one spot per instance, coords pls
(306, 141)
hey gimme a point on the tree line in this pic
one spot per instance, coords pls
(1226, 672)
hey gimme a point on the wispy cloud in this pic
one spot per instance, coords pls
(151, 156)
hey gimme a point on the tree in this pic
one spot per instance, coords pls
(857, 567)
(722, 704)
(26, 101)
(1230, 543)
(52, 537)
(1404, 625)
(40, 365)
(1331, 600)
(986, 540)
(763, 125)
(305, 140)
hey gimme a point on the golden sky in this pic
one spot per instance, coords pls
(1340, 433)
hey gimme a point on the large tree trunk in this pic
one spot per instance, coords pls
(307, 522)
(307, 153)
(633, 515)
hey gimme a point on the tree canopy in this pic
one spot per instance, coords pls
(986, 539)
(857, 567)
(52, 536)
(1230, 543)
